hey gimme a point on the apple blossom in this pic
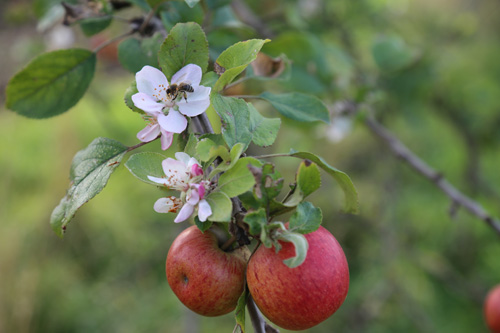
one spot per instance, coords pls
(167, 115)
(186, 175)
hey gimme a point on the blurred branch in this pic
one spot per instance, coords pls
(420, 166)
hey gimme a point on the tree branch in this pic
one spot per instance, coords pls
(201, 124)
(406, 155)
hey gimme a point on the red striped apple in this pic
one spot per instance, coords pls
(302, 297)
(492, 309)
(206, 279)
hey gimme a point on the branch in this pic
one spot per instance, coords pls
(457, 197)
(201, 124)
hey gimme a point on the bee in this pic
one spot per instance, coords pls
(174, 90)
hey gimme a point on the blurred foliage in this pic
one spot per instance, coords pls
(413, 267)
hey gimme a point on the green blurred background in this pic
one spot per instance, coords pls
(430, 73)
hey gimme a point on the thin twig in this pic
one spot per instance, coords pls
(406, 155)
(246, 15)
(202, 125)
(112, 40)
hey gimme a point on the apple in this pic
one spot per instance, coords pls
(206, 279)
(302, 297)
(492, 309)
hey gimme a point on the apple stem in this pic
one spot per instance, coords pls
(201, 124)
(228, 243)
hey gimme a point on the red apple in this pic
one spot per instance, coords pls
(492, 309)
(302, 297)
(206, 279)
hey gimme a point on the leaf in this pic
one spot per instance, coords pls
(306, 218)
(186, 44)
(238, 179)
(301, 247)
(190, 147)
(203, 226)
(132, 90)
(268, 68)
(134, 54)
(192, 3)
(222, 207)
(392, 54)
(256, 221)
(235, 119)
(142, 165)
(94, 25)
(239, 313)
(206, 149)
(351, 196)
(264, 130)
(90, 171)
(298, 106)
(52, 83)
(235, 59)
(308, 178)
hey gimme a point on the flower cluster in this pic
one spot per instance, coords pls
(166, 108)
(183, 174)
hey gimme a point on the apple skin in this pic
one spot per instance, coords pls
(206, 279)
(492, 309)
(301, 297)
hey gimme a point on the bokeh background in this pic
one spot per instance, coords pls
(429, 71)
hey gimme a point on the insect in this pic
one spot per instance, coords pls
(175, 89)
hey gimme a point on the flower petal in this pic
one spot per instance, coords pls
(186, 211)
(193, 197)
(183, 157)
(176, 174)
(173, 122)
(152, 82)
(147, 103)
(162, 181)
(193, 108)
(166, 139)
(199, 93)
(204, 210)
(149, 133)
(190, 74)
(167, 205)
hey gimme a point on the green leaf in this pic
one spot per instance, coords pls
(132, 90)
(192, 143)
(90, 171)
(94, 25)
(238, 179)
(298, 106)
(301, 247)
(134, 54)
(235, 119)
(392, 54)
(214, 4)
(351, 196)
(52, 83)
(142, 165)
(306, 218)
(256, 221)
(235, 59)
(207, 150)
(192, 3)
(221, 205)
(308, 178)
(209, 79)
(203, 226)
(239, 313)
(186, 44)
(264, 130)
